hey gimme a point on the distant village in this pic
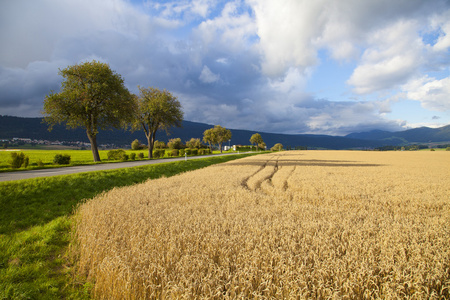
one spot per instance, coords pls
(15, 142)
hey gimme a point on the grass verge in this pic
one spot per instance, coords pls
(78, 157)
(35, 222)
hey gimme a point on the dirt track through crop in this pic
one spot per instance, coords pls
(309, 224)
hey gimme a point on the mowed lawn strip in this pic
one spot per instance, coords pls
(35, 225)
(78, 158)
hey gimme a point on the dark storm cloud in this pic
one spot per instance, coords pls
(25, 89)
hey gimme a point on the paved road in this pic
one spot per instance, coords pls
(9, 176)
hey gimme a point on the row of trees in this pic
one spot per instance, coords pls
(214, 136)
(176, 143)
(95, 97)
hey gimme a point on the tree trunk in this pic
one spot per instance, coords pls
(151, 142)
(94, 148)
(150, 147)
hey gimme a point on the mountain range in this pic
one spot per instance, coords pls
(410, 136)
(35, 128)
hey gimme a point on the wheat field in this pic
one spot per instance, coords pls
(286, 225)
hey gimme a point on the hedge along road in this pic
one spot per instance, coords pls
(10, 176)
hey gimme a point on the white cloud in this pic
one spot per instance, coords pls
(286, 30)
(424, 124)
(382, 37)
(292, 32)
(232, 29)
(393, 56)
(222, 60)
(433, 94)
(292, 80)
(206, 76)
(441, 23)
(346, 117)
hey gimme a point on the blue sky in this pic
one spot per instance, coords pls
(285, 66)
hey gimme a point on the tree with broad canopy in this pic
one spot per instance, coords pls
(92, 96)
(217, 135)
(258, 140)
(157, 110)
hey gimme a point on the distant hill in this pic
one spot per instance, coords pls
(34, 128)
(416, 135)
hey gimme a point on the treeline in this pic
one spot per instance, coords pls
(215, 137)
(411, 147)
(297, 148)
(174, 148)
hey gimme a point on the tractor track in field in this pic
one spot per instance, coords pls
(263, 179)
(256, 185)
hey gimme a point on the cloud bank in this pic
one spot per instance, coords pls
(243, 64)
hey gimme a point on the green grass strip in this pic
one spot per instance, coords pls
(35, 225)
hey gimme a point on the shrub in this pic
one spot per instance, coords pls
(194, 151)
(159, 145)
(40, 163)
(136, 145)
(188, 151)
(158, 153)
(447, 149)
(18, 160)
(175, 144)
(244, 148)
(26, 161)
(61, 159)
(277, 147)
(432, 149)
(141, 155)
(118, 154)
(181, 152)
(203, 151)
(133, 156)
(194, 143)
(173, 153)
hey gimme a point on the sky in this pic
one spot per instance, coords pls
(281, 66)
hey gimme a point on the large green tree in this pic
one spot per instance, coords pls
(157, 110)
(209, 136)
(222, 135)
(217, 135)
(92, 96)
(258, 140)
